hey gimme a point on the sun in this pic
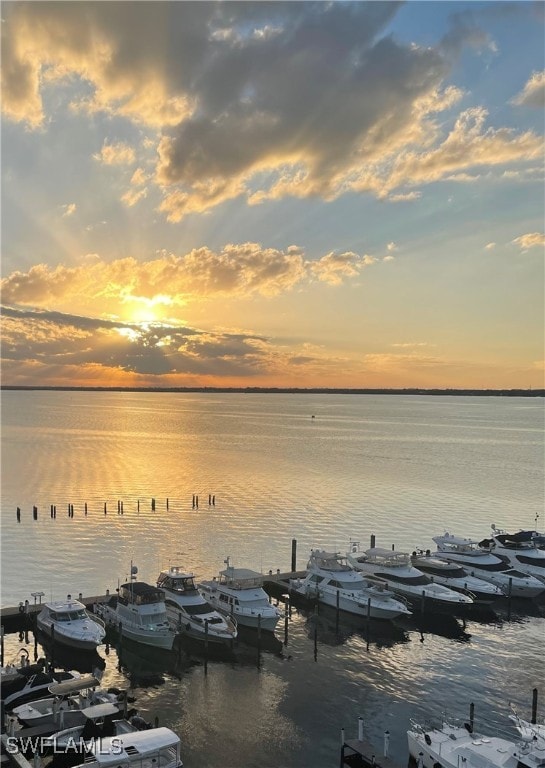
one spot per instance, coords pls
(141, 309)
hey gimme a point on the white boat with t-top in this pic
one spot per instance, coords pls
(239, 593)
(454, 746)
(139, 613)
(333, 582)
(189, 613)
(69, 623)
(485, 565)
(396, 571)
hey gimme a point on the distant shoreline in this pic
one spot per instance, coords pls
(294, 390)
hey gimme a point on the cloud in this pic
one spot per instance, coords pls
(57, 339)
(530, 240)
(259, 100)
(116, 154)
(68, 209)
(133, 196)
(533, 93)
(240, 270)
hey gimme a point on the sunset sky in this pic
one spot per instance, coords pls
(327, 194)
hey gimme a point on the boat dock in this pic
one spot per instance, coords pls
(22, 617)
(360, 753)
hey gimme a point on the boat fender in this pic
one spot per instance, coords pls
(427, 739)
(437, 765)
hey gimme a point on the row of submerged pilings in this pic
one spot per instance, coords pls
(120, 507)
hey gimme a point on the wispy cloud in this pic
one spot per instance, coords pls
(533, 93)
(530, 240)
(116, 154)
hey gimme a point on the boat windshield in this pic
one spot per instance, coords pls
(193, 610)
(448, 571)
(68, 615)
(409, 580)
(180, 585)
(351, 586)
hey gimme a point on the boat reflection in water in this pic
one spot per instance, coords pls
(146, 666)
(330, 629)
(63, 657)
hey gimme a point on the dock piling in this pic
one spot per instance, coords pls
(534, 706)
(386, 743)
(471, 716)
(293, 555)
(373, 541)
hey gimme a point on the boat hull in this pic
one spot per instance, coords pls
(77, 643)
(183, 624)
(355, 607)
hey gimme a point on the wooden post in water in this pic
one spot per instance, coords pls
(373, 541)
(167, 504)
(294, 555)
(337, 601)
(213, 501)
(342, 748)
(205, 646)
(138, 505)
(471, 716)
(534, 706)
(18, 514)
(316, 632)
(153, 505)
(509, 594)
(286, 618)
(52, 647)
(105, 510)
(85, 508)
(1, 646)
(258, 640)
(35, 513)
(368, 619)
(423, 602)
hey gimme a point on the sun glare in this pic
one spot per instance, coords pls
(140, 309)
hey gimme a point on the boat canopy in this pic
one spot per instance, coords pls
(100, 710)
(241, 578)
(387, 557)
(73, 686)
(140, 593)
(138, 745)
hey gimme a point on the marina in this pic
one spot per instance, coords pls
(288, 484)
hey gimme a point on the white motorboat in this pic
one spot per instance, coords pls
(69, 623)
(32, 686)
(239, 593)
(467, 553)
(189, 613)
(333, 582)
(138, 749)
(139, 613)
(395, 570)
(455, 577)
(67, 697)
(516, 551)
(99, 723)
(453, 746)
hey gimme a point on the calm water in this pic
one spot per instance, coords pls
(403, 468)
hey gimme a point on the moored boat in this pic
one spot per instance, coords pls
(139, 613)
(401, 577)
(239, 593)
(517, 552)
(453, 746)
(467, 553)
(333, 582)
(69, 623)
(189, 613)
(456, 577)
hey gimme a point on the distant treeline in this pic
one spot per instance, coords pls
(297, 390)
